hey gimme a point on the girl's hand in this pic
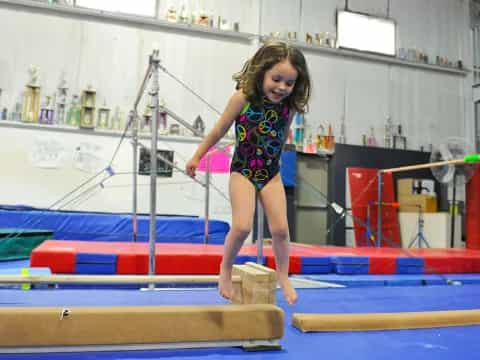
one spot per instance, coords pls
(191, 167)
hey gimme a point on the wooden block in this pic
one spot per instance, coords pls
(258, 284)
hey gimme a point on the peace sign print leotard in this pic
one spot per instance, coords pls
(260, 135)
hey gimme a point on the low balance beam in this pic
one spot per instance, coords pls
(28, 329)
(111, 279)
(384, 321)
(253, 283)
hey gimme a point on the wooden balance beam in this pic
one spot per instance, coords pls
(30, 329)
(253, 321)
(385, 321)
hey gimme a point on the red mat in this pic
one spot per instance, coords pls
(363, 185)
(132, 258)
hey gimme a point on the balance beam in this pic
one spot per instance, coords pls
(252, 283)
(384, 321)
(111, 279)
(31, 329)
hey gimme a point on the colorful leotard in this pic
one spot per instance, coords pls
(260, 135)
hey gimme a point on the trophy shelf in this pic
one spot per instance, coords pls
(131, 20)
(372, 57)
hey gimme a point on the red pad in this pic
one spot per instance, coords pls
(472, 204)
(60, 259)
(132, 258)
(364, 191)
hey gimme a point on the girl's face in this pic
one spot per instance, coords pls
(279, 81)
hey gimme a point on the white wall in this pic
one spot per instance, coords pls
(112, 56)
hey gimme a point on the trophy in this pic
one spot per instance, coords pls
(399, 140)
(371, 140)
(3, 114)
(46, 112)
(342, 139)
(73, 113)
(103, 118)
(16, 113)
(61, 100)
(171, 15)
(31, 101)
(298, 130)
(87, 114)
(199, 125)
(388, 133)
(147, 117)
(183, 18)
(117, 120)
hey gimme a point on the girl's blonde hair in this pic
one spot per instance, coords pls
(250, 78)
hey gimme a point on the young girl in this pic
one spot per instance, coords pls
(271, 87)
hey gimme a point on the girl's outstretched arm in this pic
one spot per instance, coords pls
(232, 110)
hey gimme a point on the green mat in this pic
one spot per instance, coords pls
(16, 244)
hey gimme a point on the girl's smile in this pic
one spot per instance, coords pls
(279, 81)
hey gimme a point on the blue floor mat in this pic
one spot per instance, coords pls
(438, 344)
(395, 280)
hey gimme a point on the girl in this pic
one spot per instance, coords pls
(271, 87)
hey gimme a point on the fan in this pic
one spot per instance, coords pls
(454, 149)
(456, 174)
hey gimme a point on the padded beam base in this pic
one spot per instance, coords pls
(28, 327)
(385, 321)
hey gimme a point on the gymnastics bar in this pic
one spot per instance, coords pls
(384, 321)
(54, 329)
(468, 159)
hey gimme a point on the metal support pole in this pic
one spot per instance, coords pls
(207, 196)
(379, 209)
(153, 165)
(134, 123)
(138, 98)
(453, 211)
(260, 226)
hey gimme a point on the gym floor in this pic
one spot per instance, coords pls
(437, 343)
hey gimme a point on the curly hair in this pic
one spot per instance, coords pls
(250, 78)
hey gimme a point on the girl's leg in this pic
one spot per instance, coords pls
(275, 204)
(242, 198)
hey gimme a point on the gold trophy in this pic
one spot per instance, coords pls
(87, 101)
(31, 100)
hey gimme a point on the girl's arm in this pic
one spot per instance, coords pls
(232, 110)
(288, 124)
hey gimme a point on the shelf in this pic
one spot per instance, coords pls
(89, 14)
(93, 132)
(371, 57)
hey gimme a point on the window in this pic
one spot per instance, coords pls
(142, 8)
(365, 33)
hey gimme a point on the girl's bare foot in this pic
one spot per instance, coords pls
(289, 292)
(225, 286)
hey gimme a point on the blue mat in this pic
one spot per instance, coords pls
(111, 227)
(395, 280)
(425, 344)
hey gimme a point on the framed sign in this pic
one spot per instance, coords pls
(164, 169)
